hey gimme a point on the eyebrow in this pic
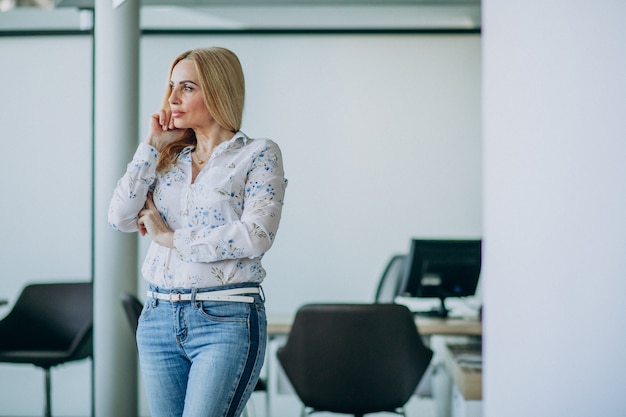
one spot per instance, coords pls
(184, 81)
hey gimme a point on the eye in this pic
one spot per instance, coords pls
(187, 87)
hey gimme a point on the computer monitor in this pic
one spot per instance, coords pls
(442, 268)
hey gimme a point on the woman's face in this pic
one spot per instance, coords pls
(186, 100)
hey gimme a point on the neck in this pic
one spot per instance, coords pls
(206, 142)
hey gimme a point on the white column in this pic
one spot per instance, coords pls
(554, 208)
(115, 253)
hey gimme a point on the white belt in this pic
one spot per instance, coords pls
(233, 294)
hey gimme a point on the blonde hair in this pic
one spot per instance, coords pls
(223, 88)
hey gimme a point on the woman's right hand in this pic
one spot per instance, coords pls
(162, 130)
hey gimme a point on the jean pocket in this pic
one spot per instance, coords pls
(224, 311)
(148, 306)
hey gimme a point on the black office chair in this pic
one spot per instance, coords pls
(354, 358)
(390, 284)
(49, 324)
(133, 307)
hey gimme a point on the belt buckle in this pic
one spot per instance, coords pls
(175, 297)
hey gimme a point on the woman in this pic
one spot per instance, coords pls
(210, 198)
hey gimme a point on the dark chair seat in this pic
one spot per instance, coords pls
(354, 358)
(132, 308)
(49, 324)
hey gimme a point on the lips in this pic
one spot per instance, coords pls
(177, 114)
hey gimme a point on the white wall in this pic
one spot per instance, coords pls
(381, 140)
(45, 211)
(555, 229)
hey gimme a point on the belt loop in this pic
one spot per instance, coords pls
(262, 293)
(194, 291)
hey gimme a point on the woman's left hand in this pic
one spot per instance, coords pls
(151, 222)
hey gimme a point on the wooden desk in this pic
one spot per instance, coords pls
(457, 391)
(464, 363)
(279, 325)
(427, 326)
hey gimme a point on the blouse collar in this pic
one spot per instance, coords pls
(224, 145)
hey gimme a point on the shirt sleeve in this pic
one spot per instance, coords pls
(254, 233)
(132, 189)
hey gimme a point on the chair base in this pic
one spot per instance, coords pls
(249, 410)
(48, 405)
(307, 411)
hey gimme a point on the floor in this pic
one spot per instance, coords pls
(289, 406)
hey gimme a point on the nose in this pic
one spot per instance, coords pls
(174, 97)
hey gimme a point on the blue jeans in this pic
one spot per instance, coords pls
(201, 358)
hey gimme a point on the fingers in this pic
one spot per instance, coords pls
(150, 222)
(163, 117)
(166, 120)
(149, 203)
(162, 130)
(144, 215)
(141, 225)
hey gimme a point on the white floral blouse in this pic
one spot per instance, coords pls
(223, 223)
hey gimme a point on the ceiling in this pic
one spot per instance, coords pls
(264, 14)
(90, 3)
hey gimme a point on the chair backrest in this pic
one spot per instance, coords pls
(52, 317)
(132, 308)
(354, 358)
(391, 280)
